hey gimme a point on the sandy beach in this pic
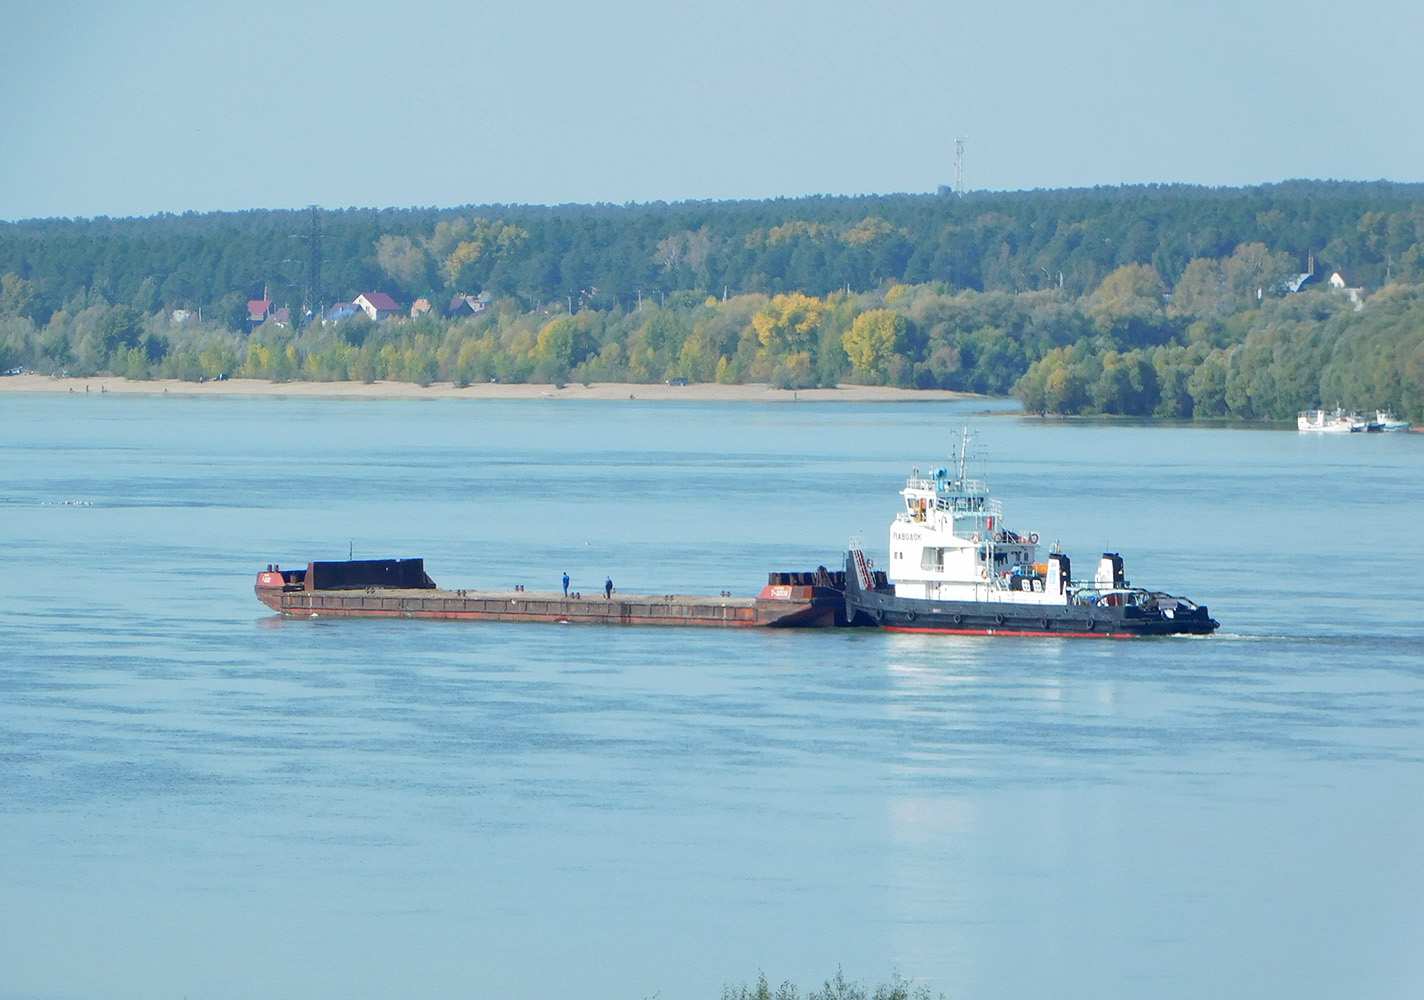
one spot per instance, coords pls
(708, 392)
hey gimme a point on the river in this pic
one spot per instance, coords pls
(203, 800)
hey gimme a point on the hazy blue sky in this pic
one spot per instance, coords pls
(150, 106)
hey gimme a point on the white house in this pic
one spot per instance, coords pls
(378, 305)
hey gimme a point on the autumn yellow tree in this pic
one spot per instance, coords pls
(789, 323)
(1130, 289)
(481, 244)
(401, 258)
(872, 341)
(1128, 306)
(561, 345)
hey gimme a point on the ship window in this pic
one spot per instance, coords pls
(932, 558)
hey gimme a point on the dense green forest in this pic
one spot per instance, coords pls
(1171, 301)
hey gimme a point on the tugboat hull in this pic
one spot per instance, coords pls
(1165, 615)
(900, 614)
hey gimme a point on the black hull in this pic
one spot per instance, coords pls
(905, 614)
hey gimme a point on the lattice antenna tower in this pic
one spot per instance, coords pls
(313, 305)
(959, 165)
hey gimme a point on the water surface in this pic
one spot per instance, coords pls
(200, 799)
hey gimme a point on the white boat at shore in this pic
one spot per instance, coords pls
(1387, 421)
(1340, 421)
(1330, 422)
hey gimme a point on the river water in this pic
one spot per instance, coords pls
(199, 799)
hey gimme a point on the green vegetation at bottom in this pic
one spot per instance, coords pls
(837, 988)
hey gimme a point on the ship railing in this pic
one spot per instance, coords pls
(972, 506)
(1098, 594)
(949, 487)
(972, 487)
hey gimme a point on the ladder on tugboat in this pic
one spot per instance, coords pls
(862, 570)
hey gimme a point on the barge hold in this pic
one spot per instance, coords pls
(400, 588)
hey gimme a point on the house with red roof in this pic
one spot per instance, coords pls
(258, 310)
(378, 305)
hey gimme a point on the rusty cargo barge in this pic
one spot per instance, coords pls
(400, 588)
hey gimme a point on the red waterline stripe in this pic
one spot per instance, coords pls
(1001, 631)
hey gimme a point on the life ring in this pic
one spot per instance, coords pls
(1033, 538)
(983, 573)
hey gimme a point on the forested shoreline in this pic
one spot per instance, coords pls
(1167, 301)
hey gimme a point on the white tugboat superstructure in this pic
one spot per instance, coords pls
(956, 566)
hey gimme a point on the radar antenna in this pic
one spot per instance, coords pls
(964, 439)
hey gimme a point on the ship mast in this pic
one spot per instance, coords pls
(963, 453)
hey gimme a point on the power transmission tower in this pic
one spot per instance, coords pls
(959, 165)
(312, 305)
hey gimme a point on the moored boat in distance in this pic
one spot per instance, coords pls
(1387, 421)
(956, 566)
(1340, 421)
(1337, 421)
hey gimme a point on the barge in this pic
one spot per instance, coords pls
(955, 566)
(400, 588)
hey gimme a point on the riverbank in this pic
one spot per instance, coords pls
(698, 392)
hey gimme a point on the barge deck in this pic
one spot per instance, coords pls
(400, 588)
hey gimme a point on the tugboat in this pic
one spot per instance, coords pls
(956, 566)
